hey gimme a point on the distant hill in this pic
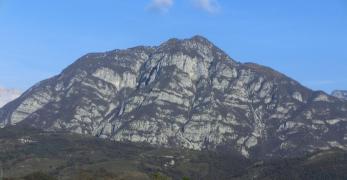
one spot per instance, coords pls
(7, 95)
(342, 94)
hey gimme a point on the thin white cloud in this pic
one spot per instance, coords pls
(210, 6)
(163, 6)
(160, 5)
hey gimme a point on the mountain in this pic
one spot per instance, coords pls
(7, 95)
(340, 94)
(184, 94)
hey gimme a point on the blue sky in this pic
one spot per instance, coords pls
(305, 39)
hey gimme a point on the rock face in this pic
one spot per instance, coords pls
(340, 94)
(7, 95)
(184, 93)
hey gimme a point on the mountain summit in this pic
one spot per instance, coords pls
(184, 93)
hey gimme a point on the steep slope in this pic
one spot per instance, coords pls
(341, 94)
(184, 93)
(7, 95)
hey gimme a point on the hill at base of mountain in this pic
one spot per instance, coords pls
(28, 153)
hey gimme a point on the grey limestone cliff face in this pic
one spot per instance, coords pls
(341, 94)
(184, 93)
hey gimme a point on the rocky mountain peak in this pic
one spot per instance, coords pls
(183, 93)
(197, 39)
(197, 46)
